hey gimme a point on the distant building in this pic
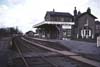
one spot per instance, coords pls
(30, 33)
(97, 28)
(59, 25)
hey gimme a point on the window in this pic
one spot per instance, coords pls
(87, 32)
(97, 26)
(64, 33)
(70, 20)
(62, 19)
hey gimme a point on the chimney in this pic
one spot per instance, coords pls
(75, 11)
(79, 12)
(75, 16)
(53, 10)
(89, 10)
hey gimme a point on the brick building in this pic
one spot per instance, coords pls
(59, 25)
(97, 28)
(85, 25)
(56, 25)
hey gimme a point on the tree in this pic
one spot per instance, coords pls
(9, 31)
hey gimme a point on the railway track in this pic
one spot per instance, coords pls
(23, 49)
(54, 45)
(47, 55)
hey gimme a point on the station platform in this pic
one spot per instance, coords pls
(77, 46)
(50, 40)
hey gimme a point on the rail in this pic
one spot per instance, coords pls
(20, 53)
(25, 61)
(66, 53)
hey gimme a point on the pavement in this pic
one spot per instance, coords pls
(81, 47)
(87, 49)
(77, 46)
(4, 52)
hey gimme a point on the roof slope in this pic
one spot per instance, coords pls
(97, 22)
(86, 13)
(51, 13)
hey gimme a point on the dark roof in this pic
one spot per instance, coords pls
(87, 13)
(30, 32)
(97, 22)
(51, 13)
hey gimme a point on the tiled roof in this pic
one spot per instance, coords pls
(86, 13)
(97, 22)
(51, 13)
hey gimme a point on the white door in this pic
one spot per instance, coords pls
(86, 33)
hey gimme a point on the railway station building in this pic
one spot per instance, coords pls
(62, 25)
(86, 27)
(57, 25)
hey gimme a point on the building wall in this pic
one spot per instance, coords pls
(98, 28)
(61, 33)
(50, 32)
(91, 24)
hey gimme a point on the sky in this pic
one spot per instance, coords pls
(23, 14)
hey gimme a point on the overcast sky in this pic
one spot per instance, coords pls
(25, 13)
